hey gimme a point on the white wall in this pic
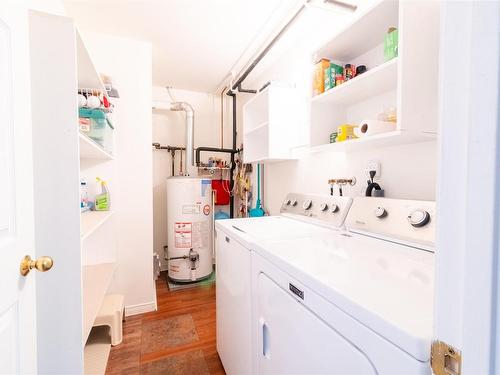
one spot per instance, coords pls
(55, 7)
(169, 129)
(128, 62)
(408, 172)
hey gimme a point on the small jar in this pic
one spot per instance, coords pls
(349, 72)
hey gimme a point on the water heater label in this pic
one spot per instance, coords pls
(191, 209)
(183, 233)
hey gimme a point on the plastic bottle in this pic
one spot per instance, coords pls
(102, 201)
(84, 195)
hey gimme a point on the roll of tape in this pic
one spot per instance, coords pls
(371, 127)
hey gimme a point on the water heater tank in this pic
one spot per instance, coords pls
(189, 220)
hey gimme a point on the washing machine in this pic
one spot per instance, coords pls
(300, 215)
(357, 302)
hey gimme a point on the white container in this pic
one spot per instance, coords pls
(189, 221)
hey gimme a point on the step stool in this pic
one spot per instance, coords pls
(112, 314)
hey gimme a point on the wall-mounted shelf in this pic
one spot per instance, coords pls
(393, 138)
(96, 279)
(406, 84)
(270, 128)
(258, 128)
(91, 220)
(374, 82)
(90, 149)
(364, 33)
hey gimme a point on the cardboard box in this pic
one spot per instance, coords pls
(318, 79)
(330, 74)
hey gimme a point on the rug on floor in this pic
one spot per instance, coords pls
(181, 364)
(167, 333)
(180, 286)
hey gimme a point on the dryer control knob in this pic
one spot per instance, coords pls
(286, 202)
(293, 202)
(334, 208)
(307, 204)
(419, 218)
(380, 212)
(323, 207)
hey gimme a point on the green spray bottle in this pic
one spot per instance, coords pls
(102, 201)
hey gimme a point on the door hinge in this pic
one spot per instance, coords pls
(445, 359)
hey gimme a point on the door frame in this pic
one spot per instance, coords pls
(468, 196)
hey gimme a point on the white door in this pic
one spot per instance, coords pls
(17, 293)
(467, 260)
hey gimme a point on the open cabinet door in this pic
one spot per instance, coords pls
(467, 263)
(18, 333)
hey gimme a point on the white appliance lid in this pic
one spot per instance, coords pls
(248, 230)
(386, 286)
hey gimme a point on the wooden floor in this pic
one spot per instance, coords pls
(185, 346)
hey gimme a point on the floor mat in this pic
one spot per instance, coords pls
(180, 286)
(167, 333)
(187, 363)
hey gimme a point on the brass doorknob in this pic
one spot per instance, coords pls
(42, 264)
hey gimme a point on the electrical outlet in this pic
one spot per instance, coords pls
(373, 165)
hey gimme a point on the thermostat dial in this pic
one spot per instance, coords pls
(419, 218)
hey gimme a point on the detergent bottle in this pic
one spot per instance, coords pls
(102, 201)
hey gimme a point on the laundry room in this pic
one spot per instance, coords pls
(209, 187)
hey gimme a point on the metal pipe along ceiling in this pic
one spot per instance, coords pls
(267, 48)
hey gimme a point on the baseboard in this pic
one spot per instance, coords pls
(140, 308)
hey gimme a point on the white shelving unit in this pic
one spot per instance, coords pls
(92, 220)
(392, 138)
(82, 245)
(90, 149)
(270, 129)
(96, 273)
(96, 279)
(378, 80)
(97, 351)
(407, 83)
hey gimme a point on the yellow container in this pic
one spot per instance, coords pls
(319, 76)
(346, 132)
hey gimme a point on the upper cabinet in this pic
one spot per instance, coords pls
(271, 124)
(402, 87)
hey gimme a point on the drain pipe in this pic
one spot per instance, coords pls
(188, 109)
(233, 164)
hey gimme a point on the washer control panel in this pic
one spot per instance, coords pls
(405, 220)
(327, 209)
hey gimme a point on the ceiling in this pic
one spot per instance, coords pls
(195, 43)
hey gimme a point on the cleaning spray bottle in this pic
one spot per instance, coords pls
(102, 201)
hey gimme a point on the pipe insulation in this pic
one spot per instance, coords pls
(189, 111)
